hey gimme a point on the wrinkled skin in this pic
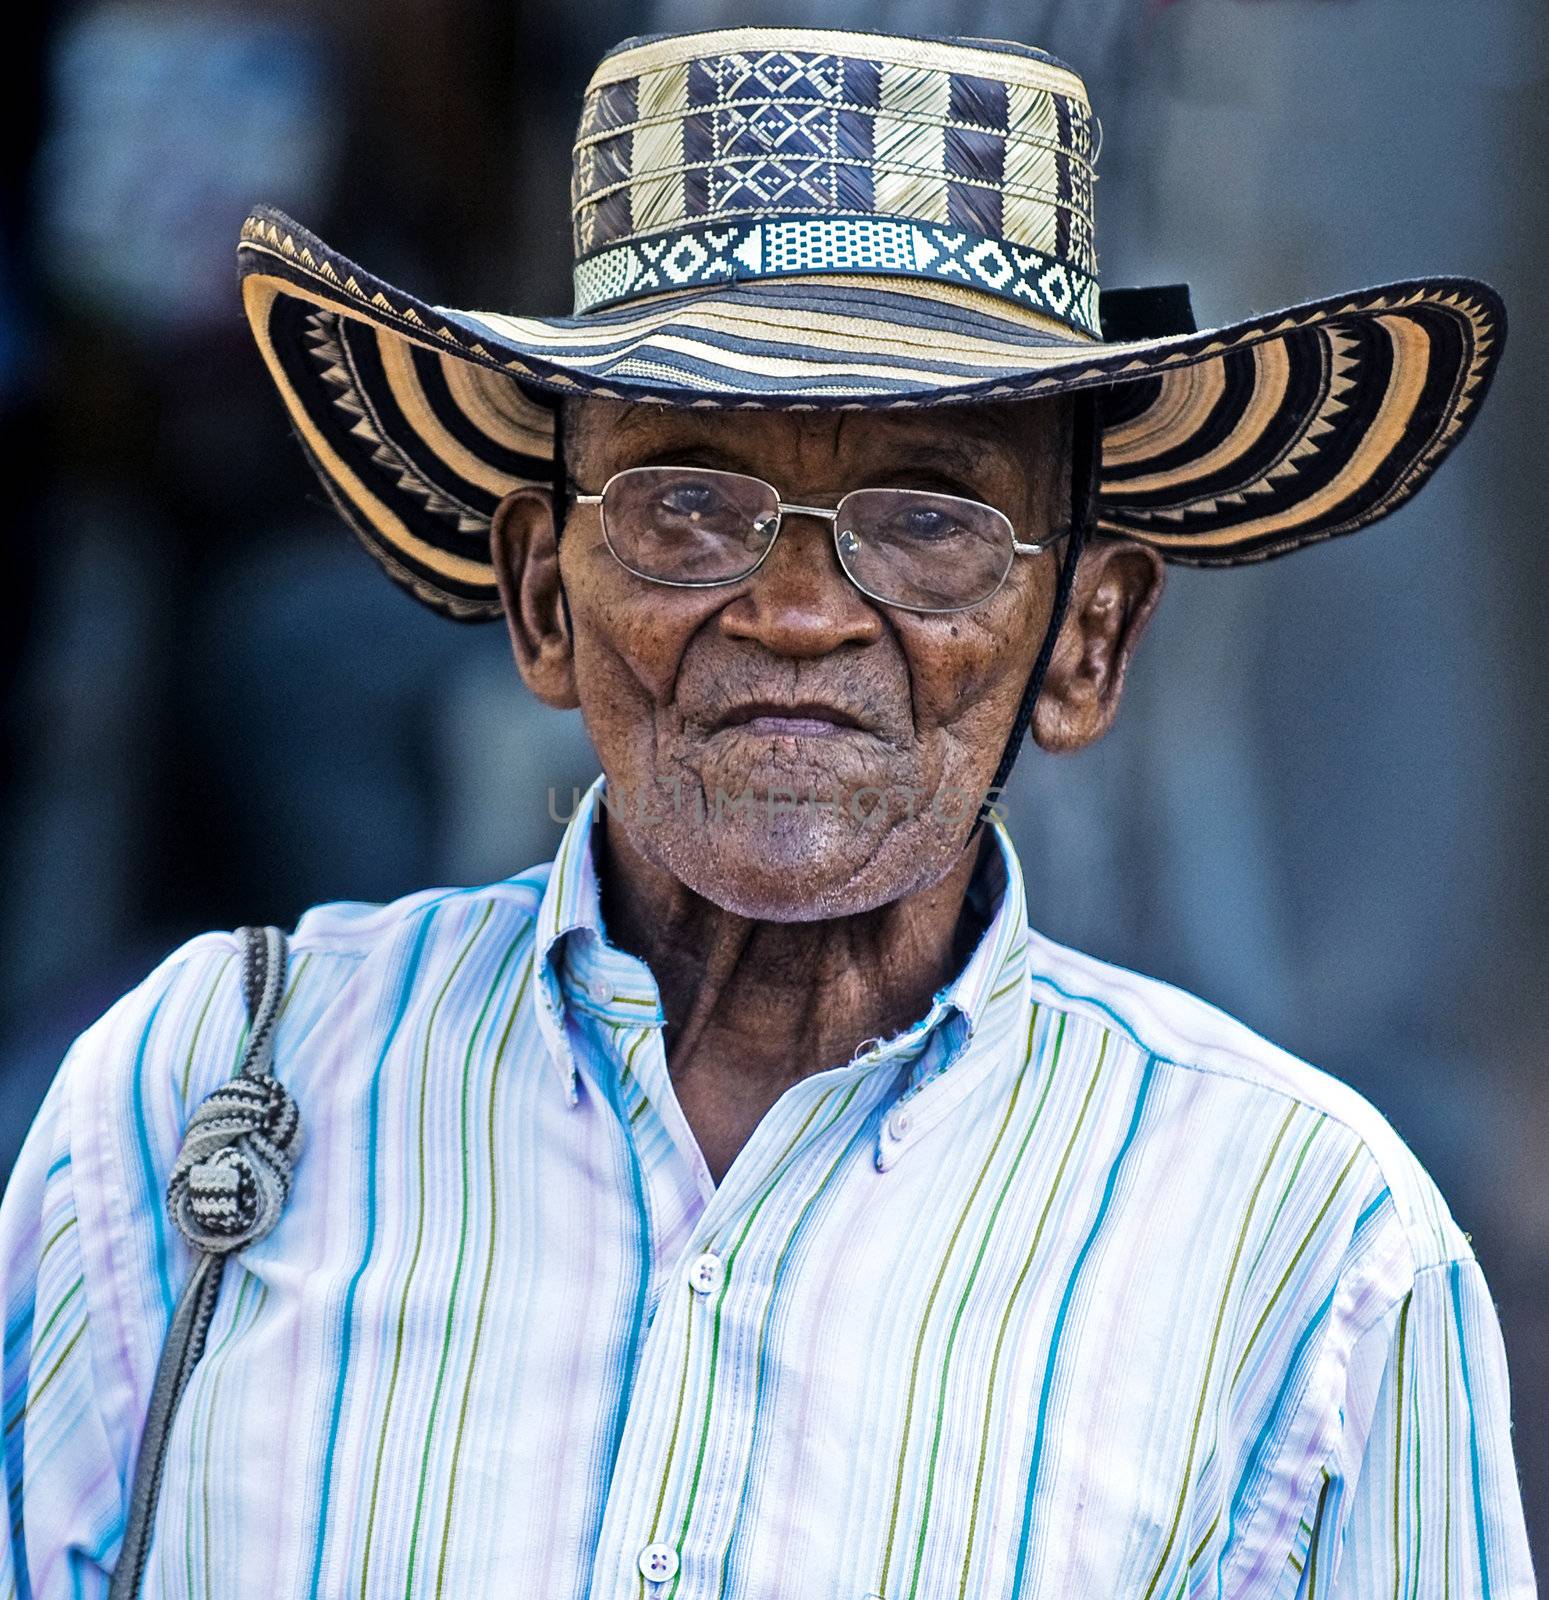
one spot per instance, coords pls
(783, 933)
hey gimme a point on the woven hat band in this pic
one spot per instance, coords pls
(707, 159)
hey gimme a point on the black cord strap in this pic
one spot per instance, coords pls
(1086, 457)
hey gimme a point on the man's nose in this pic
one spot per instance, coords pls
(799, 602)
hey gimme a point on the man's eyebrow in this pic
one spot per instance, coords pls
(971, 460)
(695, 453)
(961, 455)
(635, 420)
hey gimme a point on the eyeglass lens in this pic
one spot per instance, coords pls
(906, 547)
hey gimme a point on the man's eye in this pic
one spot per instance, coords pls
(691, 500)
(925, 524)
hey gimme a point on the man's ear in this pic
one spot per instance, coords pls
(524, 547)
(1118, 584)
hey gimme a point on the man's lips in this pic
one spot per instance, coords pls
(802, 719)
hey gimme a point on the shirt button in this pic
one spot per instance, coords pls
(897, 1124)
(600, 990)
(658, 1562)
(705, 1273)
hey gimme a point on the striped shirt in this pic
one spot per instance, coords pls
(1074, 1288)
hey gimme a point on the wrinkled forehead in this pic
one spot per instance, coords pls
(993, 439)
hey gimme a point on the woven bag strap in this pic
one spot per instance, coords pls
(226, 1191)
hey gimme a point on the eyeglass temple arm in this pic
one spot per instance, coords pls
(1055, 535)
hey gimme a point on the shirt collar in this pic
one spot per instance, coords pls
(569, 931)
(576, 966)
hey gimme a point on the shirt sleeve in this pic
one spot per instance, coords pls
(1431, 1504)
(62, 1482)
(89, 1267)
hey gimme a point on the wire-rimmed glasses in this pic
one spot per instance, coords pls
(696, 527)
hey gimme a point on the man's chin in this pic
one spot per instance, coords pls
(778, 859)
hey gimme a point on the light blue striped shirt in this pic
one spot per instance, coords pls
(1074, 1288)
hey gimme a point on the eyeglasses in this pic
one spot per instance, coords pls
(695, 527)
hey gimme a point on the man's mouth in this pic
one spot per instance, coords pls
(802, 719)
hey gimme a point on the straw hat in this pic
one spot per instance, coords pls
(807, 219)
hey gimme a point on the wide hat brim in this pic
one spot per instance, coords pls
(1221, 446)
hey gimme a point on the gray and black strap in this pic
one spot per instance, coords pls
(226, 1191)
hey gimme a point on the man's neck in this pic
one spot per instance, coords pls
(753, 1006)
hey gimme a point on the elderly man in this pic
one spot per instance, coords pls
(749, 1203)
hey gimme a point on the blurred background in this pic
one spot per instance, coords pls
(1324, 807)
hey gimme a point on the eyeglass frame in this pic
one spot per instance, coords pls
(824, 513)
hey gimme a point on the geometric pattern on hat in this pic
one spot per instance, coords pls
(741, 157)
(710, 157)
(1219, 446)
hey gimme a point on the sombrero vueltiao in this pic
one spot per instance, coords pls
(804, 218)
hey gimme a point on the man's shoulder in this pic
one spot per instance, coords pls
(1191, 1036)
(332, 939)
(363, 928)
(178, 1033)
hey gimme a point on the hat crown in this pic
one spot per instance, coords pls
(758, 153)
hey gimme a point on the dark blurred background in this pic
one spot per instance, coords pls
(1324, 808)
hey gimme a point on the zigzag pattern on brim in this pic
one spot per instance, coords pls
(1219, 447)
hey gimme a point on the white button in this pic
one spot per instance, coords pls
(898, 1124)
(704, 1273)
(658, 1562)
(601, 991)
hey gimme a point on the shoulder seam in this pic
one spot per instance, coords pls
(1229, 1064)
(382, 919)
(1215, 1069)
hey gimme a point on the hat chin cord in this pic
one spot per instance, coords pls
(1085, 459)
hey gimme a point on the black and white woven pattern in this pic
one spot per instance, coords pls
(873, 156)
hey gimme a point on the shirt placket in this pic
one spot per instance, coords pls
(687, 1429)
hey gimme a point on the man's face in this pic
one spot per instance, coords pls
(784, 745)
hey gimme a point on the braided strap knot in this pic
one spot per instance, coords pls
(232, 1174)
(226, 1190)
